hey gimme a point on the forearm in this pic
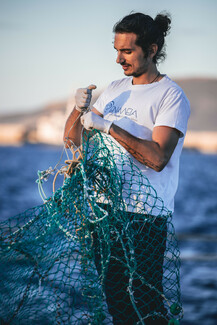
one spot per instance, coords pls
(146, 152)
(73, 129)
(154, 153)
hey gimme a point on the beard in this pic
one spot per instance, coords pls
(137, 71)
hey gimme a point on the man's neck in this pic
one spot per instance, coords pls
(148, 77)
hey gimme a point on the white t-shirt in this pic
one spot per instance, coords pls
(138, 109)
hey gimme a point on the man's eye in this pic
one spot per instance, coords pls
(128, 52)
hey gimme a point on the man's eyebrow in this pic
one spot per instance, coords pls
(124, 49)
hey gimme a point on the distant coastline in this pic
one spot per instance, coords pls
(203, 141)
(48, 131)
(47, 124)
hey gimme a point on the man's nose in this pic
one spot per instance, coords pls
(120, 58)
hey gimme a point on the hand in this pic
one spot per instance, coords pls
(91, 121)
(83, 98)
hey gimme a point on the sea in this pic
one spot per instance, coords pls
(195, 216)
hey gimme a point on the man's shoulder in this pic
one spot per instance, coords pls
(173, 93)
(121, 82)
(171, 87)
(171, 84)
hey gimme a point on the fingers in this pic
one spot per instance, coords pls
(86, 121)
(86, 96)
(83, 97)
(82, 119)
(91, 121)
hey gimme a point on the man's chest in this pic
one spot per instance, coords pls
(139, 107)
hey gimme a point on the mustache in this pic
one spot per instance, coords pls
(124, 63)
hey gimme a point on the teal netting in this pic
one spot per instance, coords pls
(101, 250)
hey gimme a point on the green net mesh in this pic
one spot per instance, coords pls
(100, 250)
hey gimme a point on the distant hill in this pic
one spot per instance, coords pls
(33, 115)
(202, 94)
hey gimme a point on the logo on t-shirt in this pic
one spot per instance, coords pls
(111, 108)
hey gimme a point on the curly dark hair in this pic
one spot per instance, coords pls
(148, 30)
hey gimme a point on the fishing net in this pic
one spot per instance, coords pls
(100, 250)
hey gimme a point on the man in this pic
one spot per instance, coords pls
(145, 113)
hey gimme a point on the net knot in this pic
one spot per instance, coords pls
(76, 158)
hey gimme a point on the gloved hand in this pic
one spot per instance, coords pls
(91, 121)
(83, 98)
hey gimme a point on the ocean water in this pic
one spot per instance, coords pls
(195, 216)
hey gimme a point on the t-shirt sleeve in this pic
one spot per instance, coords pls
(174, 111)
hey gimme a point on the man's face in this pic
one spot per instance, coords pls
(130, 55)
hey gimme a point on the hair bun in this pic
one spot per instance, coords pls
(163, 22)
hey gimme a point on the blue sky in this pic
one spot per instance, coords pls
(51, 47)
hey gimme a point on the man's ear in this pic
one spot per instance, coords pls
(153, 50)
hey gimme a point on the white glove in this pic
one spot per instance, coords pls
(83, 98)
(91, 121)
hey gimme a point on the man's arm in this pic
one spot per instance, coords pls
(155, 153)
(73, 128)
